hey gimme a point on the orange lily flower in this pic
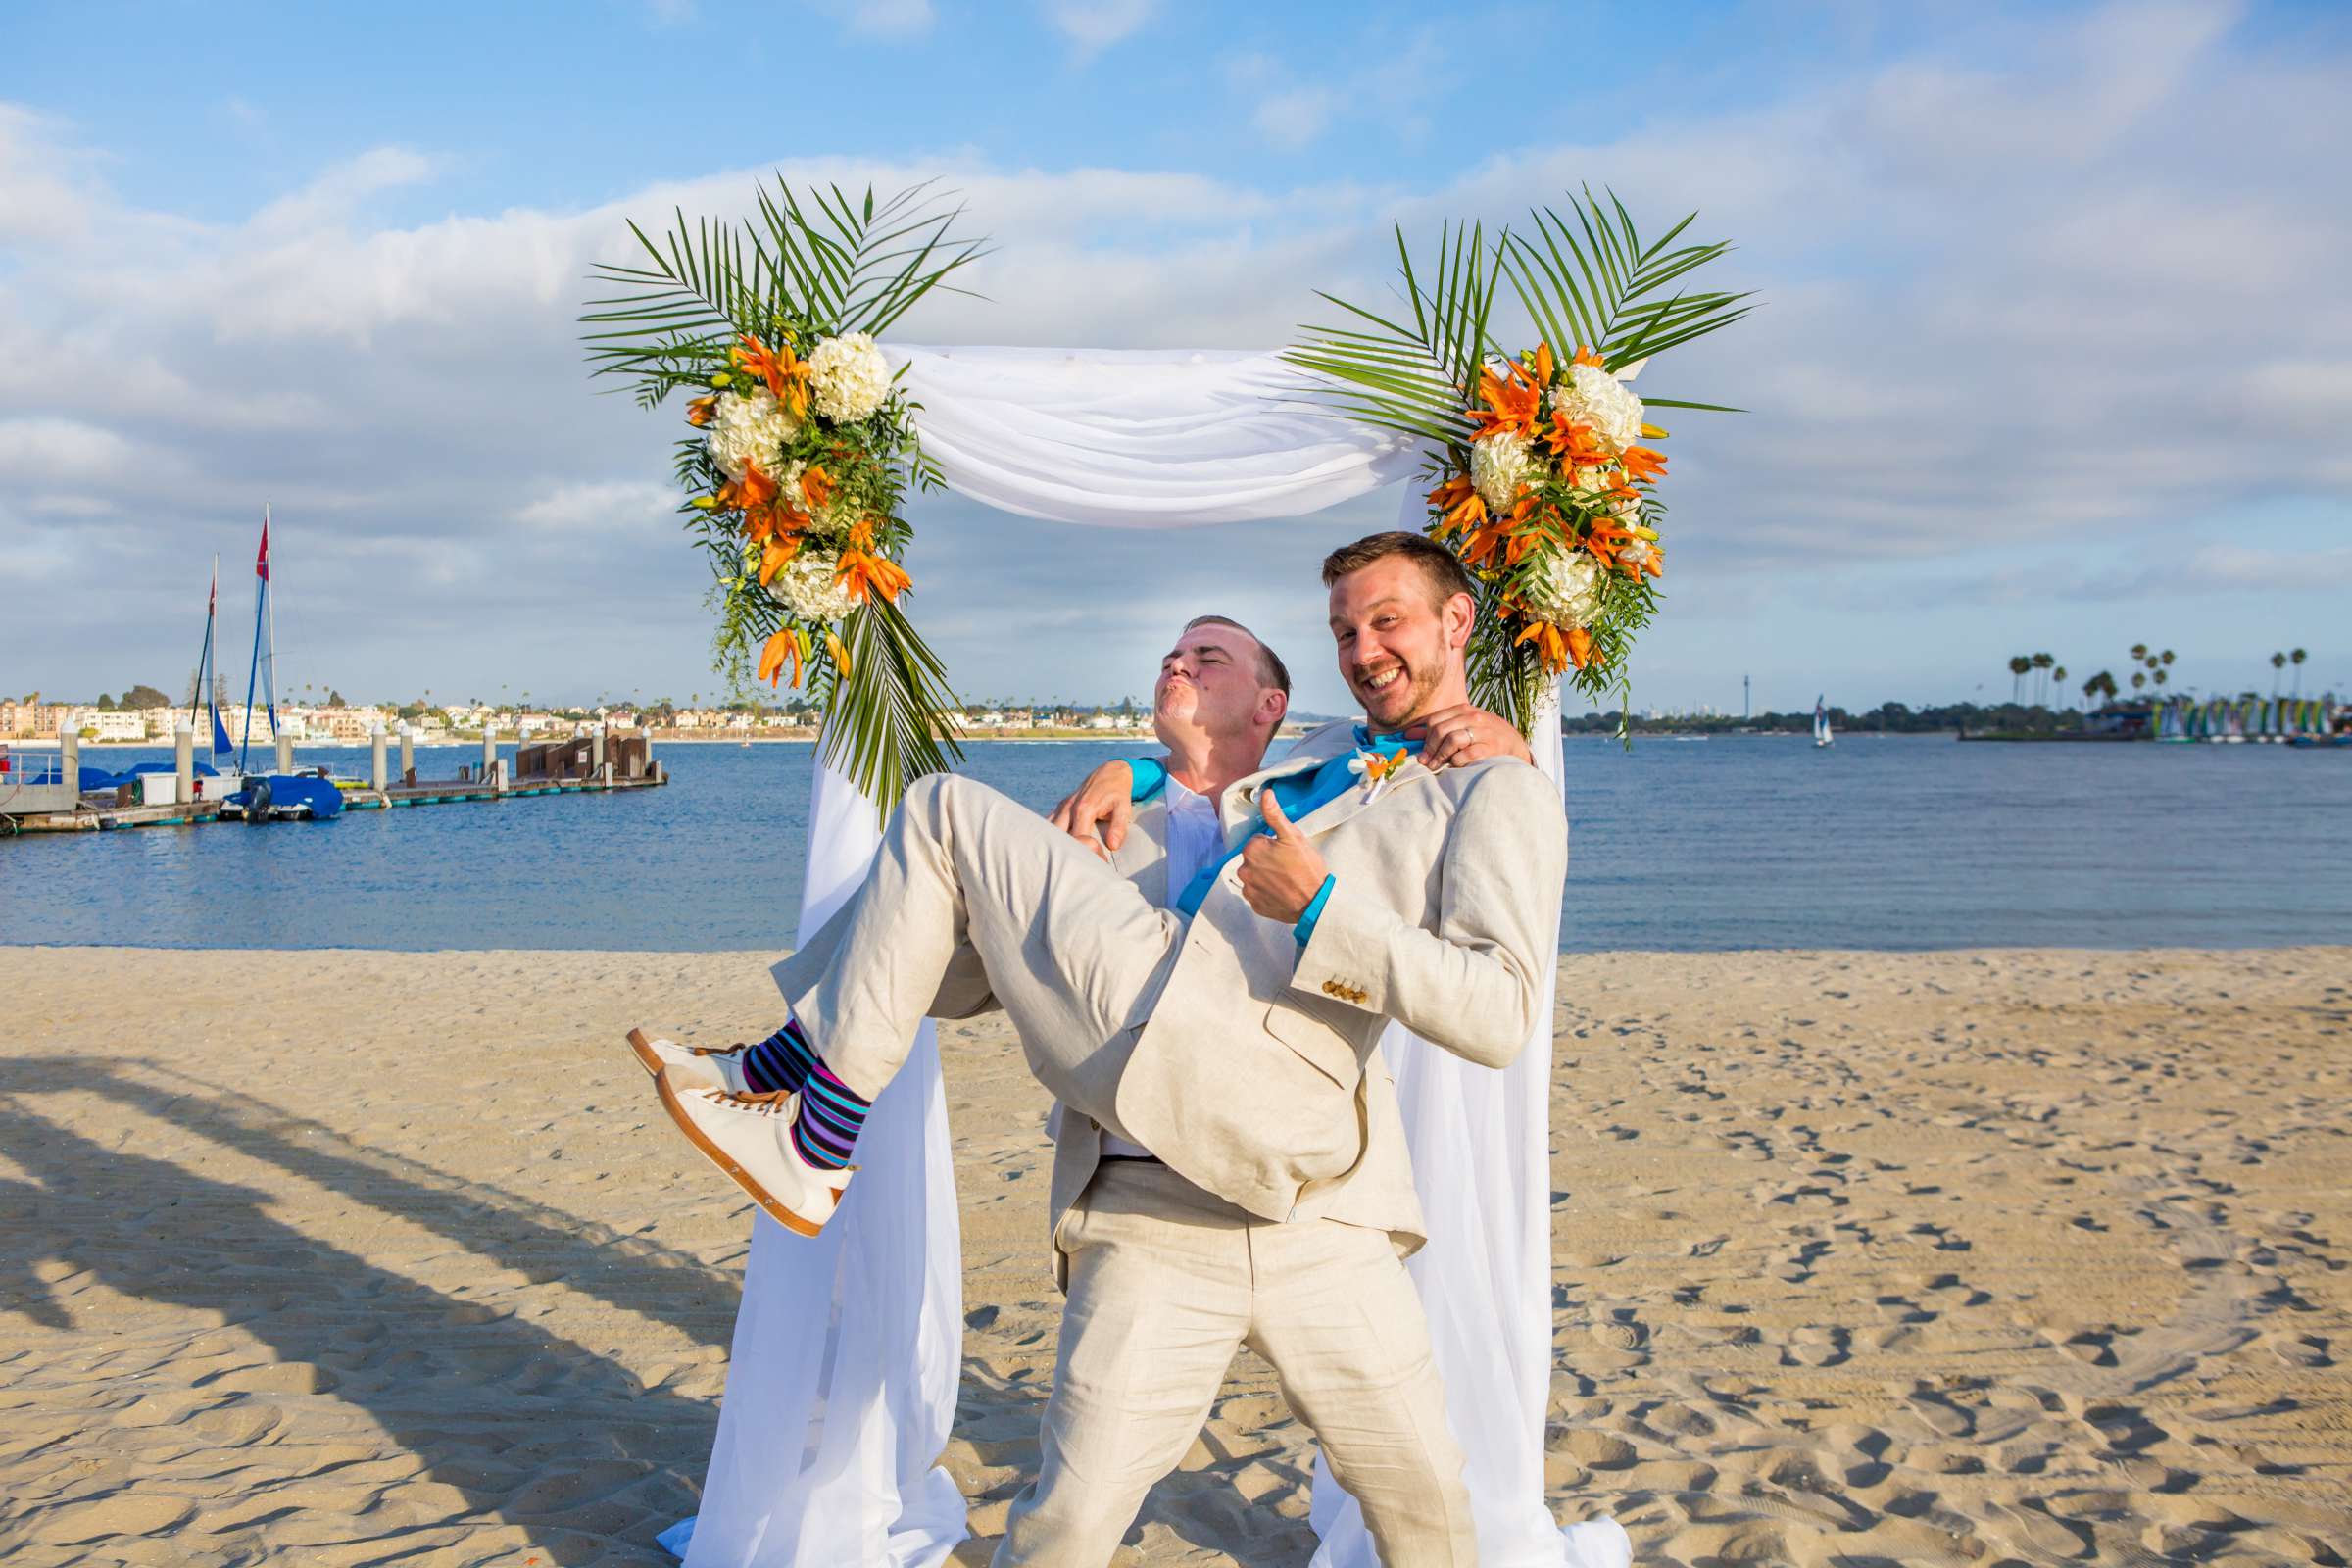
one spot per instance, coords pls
(1576, 443)
(786, 373)
(1581, 649)
(1643, 462)
(866, 574)
(701, 411)
(1550, 647)
(1464, 508)
(1585, 356)
(748, 493)
(778, 555)
(841, 654)
(816, 487)
(1606, 538)
(1511, 402)
(782, 650)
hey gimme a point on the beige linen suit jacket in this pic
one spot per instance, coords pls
(1258, 1075)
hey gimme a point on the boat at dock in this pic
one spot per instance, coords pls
(282, 795)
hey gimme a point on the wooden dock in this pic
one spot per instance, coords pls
(106, 818)
(449, 792)
(93, 818)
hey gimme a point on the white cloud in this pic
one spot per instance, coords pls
(602, 506)
(881, 19)
(1094, 26)
(1965, 355)
(1295, 119)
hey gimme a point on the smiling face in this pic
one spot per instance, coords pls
(1400, 644)
(1212, 688)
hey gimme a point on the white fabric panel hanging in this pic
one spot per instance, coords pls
(828, 1441)
(1140, 438)
(841, 1382)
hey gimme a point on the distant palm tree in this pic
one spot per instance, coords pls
(2166, 657)
(2277, 663)
(2297, 659)
(2139, 679)
(2161, 676)
(2058, 678)
(2018, 665)
(2140, 651)
(2042, 661)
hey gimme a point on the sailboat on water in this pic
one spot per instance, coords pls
(272, 796)
(1821, 722)
(219, 778)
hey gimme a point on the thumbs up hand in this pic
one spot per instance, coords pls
(1281, 870)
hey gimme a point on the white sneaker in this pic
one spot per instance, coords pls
(694, 1064)
(750, 1138)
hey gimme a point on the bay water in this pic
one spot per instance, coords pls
(1900, 841)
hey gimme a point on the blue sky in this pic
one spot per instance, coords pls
(2055, 351)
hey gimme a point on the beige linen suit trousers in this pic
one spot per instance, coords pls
(1166, 1283)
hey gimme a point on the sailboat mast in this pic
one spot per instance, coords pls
(204, 659)
(261, 602)
(269, 686)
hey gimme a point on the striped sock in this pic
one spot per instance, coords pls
(780, 1064)
(832, 1113)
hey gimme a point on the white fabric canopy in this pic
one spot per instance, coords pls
(1140, 438)
(847, 1347)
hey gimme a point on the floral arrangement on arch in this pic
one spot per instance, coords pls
(801, 449)
(1542, 480)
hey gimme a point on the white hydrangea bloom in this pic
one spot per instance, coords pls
(1593, 396)
(1636, 552)
(808, 587)
(1564, 587)
(749, 429)
(849, 378)
(1499, 465)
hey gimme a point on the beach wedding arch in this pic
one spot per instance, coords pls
(808, 432)
(808, 423)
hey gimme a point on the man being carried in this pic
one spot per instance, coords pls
(1232, 1037)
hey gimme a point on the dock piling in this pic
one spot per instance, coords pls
(68, 751)
(183, 758)
(377, 779)
(408, 752)
(285, 752)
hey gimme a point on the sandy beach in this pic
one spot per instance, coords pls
(342, 1257)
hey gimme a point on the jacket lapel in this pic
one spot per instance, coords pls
(1348, 802)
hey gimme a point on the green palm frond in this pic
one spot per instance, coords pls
(1414, 377)
(801, 268)
(1589, 279)
(882, 724)
(1585, 278)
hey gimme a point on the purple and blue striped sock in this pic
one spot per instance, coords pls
(780, 1064)
(832, 1113)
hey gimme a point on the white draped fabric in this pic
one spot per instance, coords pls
(843, 1381)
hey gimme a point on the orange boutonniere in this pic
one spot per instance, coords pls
(1376, 768)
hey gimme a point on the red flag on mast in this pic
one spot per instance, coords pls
(261, 564)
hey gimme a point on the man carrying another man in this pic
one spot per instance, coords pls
(1231, 1164)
